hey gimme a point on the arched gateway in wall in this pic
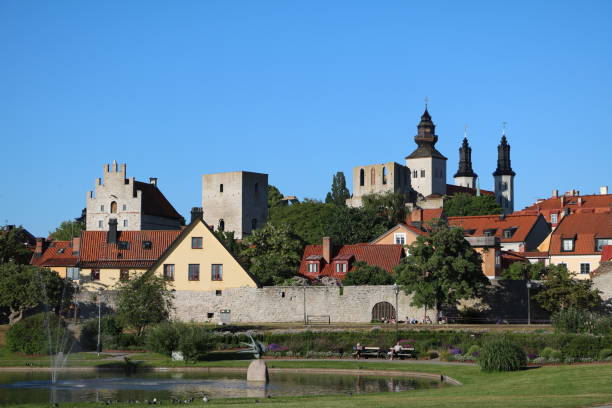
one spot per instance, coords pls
(383, 311)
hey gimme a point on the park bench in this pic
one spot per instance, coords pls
(318, 319)
(370, 351)
(406, 352)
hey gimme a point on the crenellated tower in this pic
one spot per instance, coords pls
(504, 177)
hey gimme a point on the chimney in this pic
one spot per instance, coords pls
(327, 249)
(153, 180)
(579, 201)
(562, 201)
(555, 193)
(603, 190)
(197, 214)
(40, 246)
(111, 237)
(76, 245)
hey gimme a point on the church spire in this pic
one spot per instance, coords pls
(465, 160)
(426, 138)
(504, 167)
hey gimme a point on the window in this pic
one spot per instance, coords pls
(123, 245)
(568, 244)
(341, 267)
(601, 242)
(489, 232)
(73, 273)
(361, 177)
(497, 259)
(95, 274)
(124, 274)
(100, 224)
(221, 225)
(210, 315)
(585, 268)
(415, 174)
(313, 267)
(216, 272)
(508, 233)
(61, 250)
(218, 293)
(553, 218)
(125, 223)
(254, 223)
(169, 272)
(399, 238)
(147, 245)
(194, 272)
(102, 208)
(422, 173)
(196, 242)
(384, 175)
(124, 207)
(113, 207)
(220, 188)
(372, 177)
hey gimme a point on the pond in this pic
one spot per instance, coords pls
(35, 387)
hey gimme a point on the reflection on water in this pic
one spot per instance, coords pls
(102, 386)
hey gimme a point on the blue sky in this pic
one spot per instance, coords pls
(296, 89)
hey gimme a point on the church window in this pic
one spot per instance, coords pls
(220, 188)
(125, 223)
(113, 207)
(361, 177)
(372, 176)
(102, 208)
(415, 174)
(254, 223)
(384, 175)
(422, 173)
(124, 207)
(221, 225)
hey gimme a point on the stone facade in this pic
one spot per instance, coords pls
(235, 201)
(379, 179)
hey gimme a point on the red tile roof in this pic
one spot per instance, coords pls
(599, 202)
(58, 253)
(585, 228)
(384, 256)
(533, 254)
(452, 189)
(606, 254)
(476, 225)
(97, 253)
(154, 202)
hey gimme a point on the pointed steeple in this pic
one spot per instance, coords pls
(503, 158)
(465, 161)
(426, 139)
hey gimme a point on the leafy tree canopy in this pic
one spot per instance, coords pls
(25, 287)
(364, 274)
(390, 206)
(561, 291)
(143, 301)
(339, 193)
(307, 220)
(67, 230)
(274, 196)
(441, 269)
(12, 246)
(274, 253)
(234, 246)
(463, 204)
(524, 270)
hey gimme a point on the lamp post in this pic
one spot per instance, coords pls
(99, 318)
(396, 289)
(528, 302)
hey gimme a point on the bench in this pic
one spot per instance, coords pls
(406, 352)
(370, 351)
(318, 319)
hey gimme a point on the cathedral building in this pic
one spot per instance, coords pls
(422, 179)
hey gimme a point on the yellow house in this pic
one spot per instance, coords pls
(197, 260)
(59, 256)
(401, 234)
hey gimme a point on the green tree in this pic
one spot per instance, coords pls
(524, 270)
(274, 253)
(234, 246)
(441, 270)
(274, 196)
(67, 230)
(13, 247)
(463, 204)
(390, 206)
(355, 225)
(25, 287)
(339, 193)
(561, 291)
(364, 274)
(307, 220)
(143, 301)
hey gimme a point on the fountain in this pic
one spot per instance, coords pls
(258, 370)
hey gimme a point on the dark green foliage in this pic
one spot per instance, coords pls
(67, 230)
(42, 333)
(274, 196)
(390, 206)
(109, 330)
(441, 269)
(143, 301)
(163, 338)
(195, 342)
(561, 291)
(463, 204)
(12, 246)
(273, 252)
(572, 320)
(232, 245)
(307, 220)
(364, 274)
(501, 355)
(524, 271)
(605, 353)
(339, 193)
(355, 225)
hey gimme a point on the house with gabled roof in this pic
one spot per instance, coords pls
(59, 256)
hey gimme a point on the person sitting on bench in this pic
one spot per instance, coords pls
(358, 350)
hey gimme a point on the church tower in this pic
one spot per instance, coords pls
(465, 176)
(504, 177)
(427, 165)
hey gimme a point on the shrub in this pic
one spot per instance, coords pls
(501, 355)
(432, 355)
(109, 328)
(572, 320)
(474, 350)
(447, 356)
(42, 333)
(547, 352)
(582, 347)
(163, 338)
(604, 354)
(195, 342)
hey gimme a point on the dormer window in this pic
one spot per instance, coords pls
(508, 233)
(147, 244)
(123, 245)
(341, 267)
(470, 231)
(313, 267)
(553, 218)
(601, 242)
(399, 238)
(489, 232)
(568, 244)
(61, 250)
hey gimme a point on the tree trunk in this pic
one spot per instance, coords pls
(15, 316)
(437, 319)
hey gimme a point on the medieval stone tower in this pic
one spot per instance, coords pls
(465, 176)
(235, 201)
(426, 163)
(504, 177)
(132, 204)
